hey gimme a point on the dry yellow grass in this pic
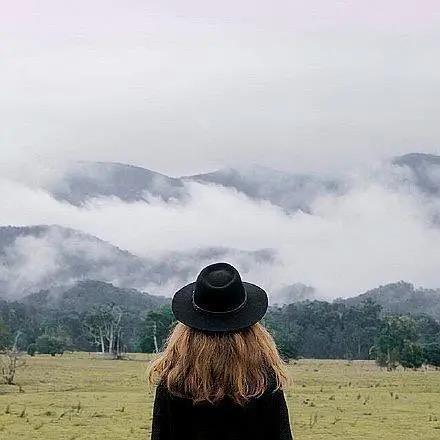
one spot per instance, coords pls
(80, 396)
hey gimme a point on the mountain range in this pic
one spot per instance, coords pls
(84, 181)
(42, 257)
(399, 298)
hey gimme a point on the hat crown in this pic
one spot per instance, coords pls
(219, 289)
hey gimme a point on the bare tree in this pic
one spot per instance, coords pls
(9, 362)
(94, 324)
(112, 325)
(156, 346)
(17, 337)
(104, 327)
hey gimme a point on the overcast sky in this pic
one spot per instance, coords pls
(183, 87)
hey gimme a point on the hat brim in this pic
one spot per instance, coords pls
(253, 311)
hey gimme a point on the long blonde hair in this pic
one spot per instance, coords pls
(208, 367)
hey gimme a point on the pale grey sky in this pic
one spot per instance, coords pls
(184, 87)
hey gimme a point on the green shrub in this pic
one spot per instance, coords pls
(32, 349)
(50, 345)
(431, 353)
(411, 355)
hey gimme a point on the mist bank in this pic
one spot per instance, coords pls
(51, 257)
(340, 235)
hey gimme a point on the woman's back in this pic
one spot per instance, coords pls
(262, 418)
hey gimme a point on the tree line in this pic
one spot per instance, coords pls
(318, 329)
(309, 329)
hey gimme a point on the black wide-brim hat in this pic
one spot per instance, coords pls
(219, 301)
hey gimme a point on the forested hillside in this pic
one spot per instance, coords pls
(97, 316)
(34, 258)
(402, 298)
(76, 316)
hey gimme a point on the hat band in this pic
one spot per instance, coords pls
(236, 309)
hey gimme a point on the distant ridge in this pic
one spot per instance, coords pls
(424, 171)
(412, 159)
(395, 298)
(34, 258)
(290, 191)
(402, 298)
(89, 294)
(42, 257)
(87, 180)
(84, 181)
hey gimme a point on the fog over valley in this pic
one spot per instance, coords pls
(299, 235)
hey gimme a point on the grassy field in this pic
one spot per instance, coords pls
(80, 396)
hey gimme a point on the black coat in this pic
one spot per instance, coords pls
(264, 418)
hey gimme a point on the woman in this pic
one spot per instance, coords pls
(220, 375)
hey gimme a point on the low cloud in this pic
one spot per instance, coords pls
(376, 232)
